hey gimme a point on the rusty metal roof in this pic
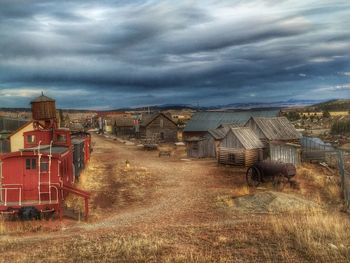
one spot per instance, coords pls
(247, 137)
(277, 128)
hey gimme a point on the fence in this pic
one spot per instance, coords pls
(345, 177)
(314, 149)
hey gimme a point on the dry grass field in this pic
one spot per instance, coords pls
(146, 208)
(320, 113)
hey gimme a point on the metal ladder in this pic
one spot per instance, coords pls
(41, 183)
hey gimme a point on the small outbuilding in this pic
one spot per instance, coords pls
(196, 147)
(159, 127)
(240, 147)
(274, 129)
(280, 138)
(124, 126)
(214, 138)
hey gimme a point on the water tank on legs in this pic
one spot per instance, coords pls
(43, 108)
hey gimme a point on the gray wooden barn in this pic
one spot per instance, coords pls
(159, 126)
(197, 147)
(208, 145)
(240, 147)
(280, 138)
(124, 126)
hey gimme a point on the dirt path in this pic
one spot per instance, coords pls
(181, 195)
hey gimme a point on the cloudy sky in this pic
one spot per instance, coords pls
(111, 54)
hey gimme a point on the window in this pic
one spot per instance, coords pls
(161, 124)
(30, 164)
(231, 158)
(44, 167)
(195, 146)
(61, 137)
(30, 138)
(33, 163)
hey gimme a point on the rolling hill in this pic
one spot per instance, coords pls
(333, 105)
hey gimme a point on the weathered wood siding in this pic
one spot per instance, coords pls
(252, 125)
(238, 157)
(285, 153)
(204, 148)
(161, 125)
(231, 141)
(128, 131)
(210, 146)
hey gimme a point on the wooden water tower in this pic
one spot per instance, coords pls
(44, 112)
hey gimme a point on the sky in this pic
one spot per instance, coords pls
(113, 54)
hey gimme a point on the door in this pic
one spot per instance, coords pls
(30, 179)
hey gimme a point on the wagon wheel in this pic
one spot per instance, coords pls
(253, 176)
(279, 182)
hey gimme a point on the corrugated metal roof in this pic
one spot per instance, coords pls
(219, 133)
(277, 128)
(209, 120)
(230, 125)
(247, 137)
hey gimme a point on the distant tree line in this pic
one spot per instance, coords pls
(292, 115)
(341, 127)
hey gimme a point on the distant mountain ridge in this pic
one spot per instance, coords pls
(336, 104)
(231, 106)
(333, 105)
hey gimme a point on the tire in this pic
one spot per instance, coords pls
(253, 177)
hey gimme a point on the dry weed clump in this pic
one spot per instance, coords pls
(320, 237)
(14, 227)
(326, 185)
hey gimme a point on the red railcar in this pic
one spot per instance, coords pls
(37, 178)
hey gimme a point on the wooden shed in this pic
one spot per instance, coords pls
(196, 147)
(285, 152)
(159, 125)
(124, 126)
(214, 138)
(274, 129)
(240, 147)
(279, 136)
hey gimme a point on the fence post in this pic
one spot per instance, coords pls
(344, 184)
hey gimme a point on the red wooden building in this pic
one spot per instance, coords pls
(37, 178)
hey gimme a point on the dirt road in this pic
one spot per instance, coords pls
(146, 208)
(182, 191)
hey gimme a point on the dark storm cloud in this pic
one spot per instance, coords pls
(125, 53)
